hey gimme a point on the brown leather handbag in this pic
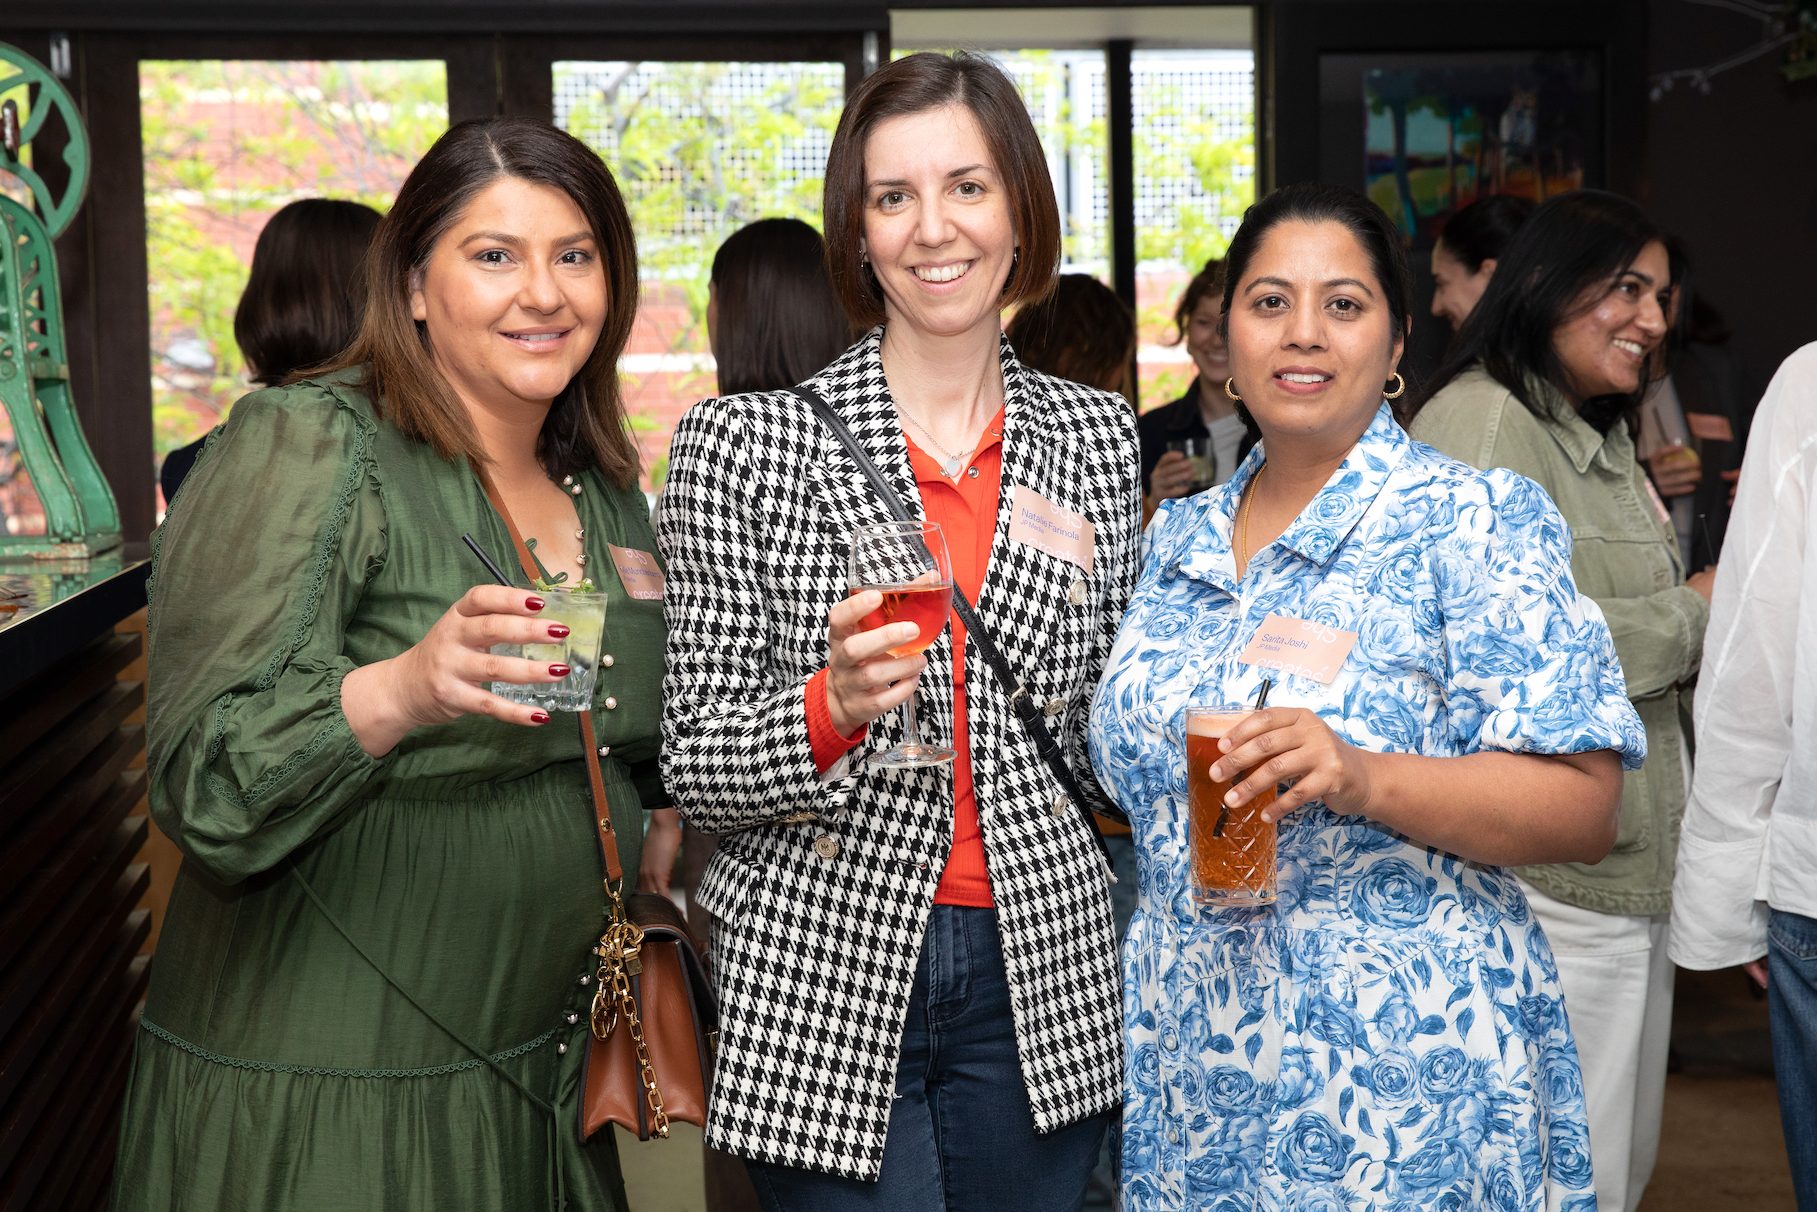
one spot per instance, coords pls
(655, 1023)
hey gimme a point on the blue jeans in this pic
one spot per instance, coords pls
(961, 1133)
(1792, 998)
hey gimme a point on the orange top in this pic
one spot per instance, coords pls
(966, 510)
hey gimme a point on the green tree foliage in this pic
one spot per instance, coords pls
(700, 150)
(226, 144)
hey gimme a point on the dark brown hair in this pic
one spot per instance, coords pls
(915, 84)
(777, 319)
(1082, 331)
(1208, 281)
(307, 290)
(1572, 243)
(586, 424)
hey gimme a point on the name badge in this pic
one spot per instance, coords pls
(638, 571)
(1045, 526)
(1710, 426)
(1299, 647)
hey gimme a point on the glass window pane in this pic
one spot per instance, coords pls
(227, 142)
(699, 149)
(1194, 118)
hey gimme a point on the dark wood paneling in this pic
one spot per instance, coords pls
(102, 270)
(71, 922)
(678, 17)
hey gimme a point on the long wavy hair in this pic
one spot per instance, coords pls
(586, 425)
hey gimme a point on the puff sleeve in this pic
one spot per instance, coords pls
(1530, 664)
(255, 573)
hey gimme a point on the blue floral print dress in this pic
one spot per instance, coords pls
(1391, 1033)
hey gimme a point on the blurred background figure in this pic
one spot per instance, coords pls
(302, 303)
(1468, 250)
(1083, 332)
(1694, 423)
(1747, 871)
(1545, 378)
(773, 321)
(1198, 440)
(772, 317)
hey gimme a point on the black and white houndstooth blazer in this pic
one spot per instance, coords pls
(823, 884)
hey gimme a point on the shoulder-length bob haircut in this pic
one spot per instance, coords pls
(586, 425)
(307, 289)
(915, 84)
(1571, 244)
(778, 321)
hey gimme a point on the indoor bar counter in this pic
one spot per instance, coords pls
(72, 781)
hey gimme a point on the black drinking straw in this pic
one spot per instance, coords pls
(491, 565)
(1261, 701)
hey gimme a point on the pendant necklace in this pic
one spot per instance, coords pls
(951, 464)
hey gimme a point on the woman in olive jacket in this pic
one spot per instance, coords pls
(1543, 379)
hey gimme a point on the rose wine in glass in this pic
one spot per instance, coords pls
(907, 563)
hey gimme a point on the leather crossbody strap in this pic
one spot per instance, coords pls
(602, 812)
(1019, 699)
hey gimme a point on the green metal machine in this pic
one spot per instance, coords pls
(81, 519)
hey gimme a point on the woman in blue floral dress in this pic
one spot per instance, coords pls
(1389, 1034)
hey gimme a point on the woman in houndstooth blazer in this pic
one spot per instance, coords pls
(916, 966)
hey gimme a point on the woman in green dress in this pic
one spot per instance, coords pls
(371, 987)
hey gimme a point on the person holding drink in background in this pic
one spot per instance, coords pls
(914, 959)
(1371, 1016)
(372, 985)
(1196, 441)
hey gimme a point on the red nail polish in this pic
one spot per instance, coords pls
(534, 603)
(539, 717)
(558, 631)
(558, 671)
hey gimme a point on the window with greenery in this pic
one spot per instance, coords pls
(699, 149)
(227, 142)
(1194, 150)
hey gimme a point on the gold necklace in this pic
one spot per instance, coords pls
(1243, 552)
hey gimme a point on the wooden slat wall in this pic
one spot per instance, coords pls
(72, 925)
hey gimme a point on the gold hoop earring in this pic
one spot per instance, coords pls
(1230, 389)
(1400, 387)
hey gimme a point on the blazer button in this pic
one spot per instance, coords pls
(826, 846)
(611, 702)
(606, 661)
(1054, 707)
(1059, 808)
(605, 751)
(1075, 593)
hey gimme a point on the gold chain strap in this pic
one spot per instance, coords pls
(620, 958)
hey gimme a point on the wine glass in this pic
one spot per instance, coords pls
(908, 564)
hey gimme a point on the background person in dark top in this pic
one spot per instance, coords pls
(1205, 412)
(1082, 331)
(302, 304)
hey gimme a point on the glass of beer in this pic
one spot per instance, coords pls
(907, 563)
(1232, 849)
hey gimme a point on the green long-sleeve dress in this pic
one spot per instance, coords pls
(277, 1068)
